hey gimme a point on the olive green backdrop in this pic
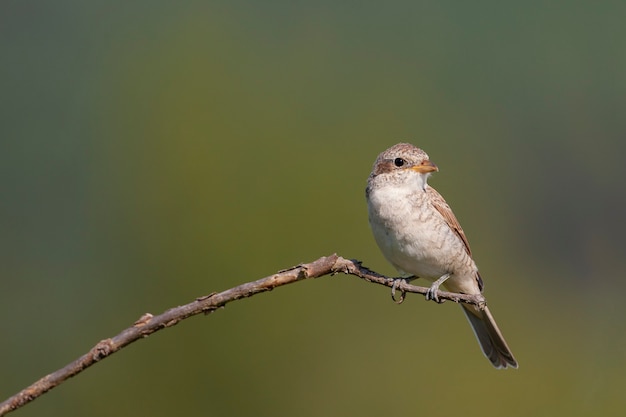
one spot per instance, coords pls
(152, 152)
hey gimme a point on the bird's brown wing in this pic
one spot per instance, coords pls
(446, 212)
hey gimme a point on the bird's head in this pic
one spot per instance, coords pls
(403, 163)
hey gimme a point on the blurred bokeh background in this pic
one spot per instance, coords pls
(153, 151)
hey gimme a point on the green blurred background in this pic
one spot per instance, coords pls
(152, 152)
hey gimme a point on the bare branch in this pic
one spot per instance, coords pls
(148, 324)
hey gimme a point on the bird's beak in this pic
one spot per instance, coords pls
(425, 167)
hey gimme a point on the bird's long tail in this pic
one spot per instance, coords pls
(489, 337)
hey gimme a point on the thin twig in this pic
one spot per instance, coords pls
(148, 324)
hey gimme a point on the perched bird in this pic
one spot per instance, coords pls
(420, 236)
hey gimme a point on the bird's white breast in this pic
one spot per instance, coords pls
(413, 237)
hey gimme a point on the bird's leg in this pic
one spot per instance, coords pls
(432, 291)
(394, 286)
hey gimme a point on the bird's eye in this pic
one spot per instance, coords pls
(398, 162)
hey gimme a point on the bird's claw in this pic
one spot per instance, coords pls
(394, 286)
(431, 294)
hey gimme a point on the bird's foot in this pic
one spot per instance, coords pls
(431, 294)
(394, 287)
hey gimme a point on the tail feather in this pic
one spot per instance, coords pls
(489, 337)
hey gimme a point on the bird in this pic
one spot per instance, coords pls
(418, 233)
